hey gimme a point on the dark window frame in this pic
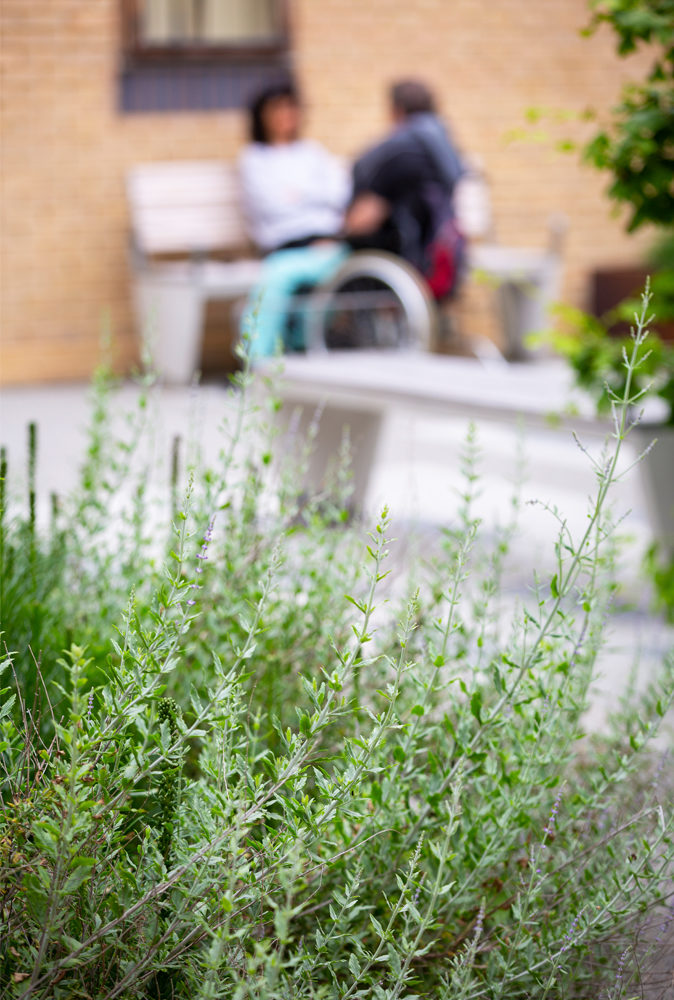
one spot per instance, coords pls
(138, 54)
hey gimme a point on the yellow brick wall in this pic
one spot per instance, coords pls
(65, 146)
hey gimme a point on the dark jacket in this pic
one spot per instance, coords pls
(415, 170)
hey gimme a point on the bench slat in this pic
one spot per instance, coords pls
(188, 229)
(185, 206)
(155, 182)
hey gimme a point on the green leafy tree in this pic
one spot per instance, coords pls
(637, 146)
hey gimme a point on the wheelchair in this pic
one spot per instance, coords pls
(375, 301)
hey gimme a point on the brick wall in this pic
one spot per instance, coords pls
(65, 147)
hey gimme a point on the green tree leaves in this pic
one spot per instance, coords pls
(637, 148)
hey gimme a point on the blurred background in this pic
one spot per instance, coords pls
(91, 87)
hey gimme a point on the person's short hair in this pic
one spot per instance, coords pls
(285, 89)
(411, 97)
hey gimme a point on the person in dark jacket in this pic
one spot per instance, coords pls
(403, 188)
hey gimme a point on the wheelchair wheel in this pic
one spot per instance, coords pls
(375, 301)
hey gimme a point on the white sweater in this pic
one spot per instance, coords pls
(292, 191)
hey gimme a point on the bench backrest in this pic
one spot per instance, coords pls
(192, 206)
(186, 207)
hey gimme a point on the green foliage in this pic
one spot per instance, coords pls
(277, 771)
(601, 367)
(32, 573)
(661, 260)
(168, 782)
(637, 147)
(636, 21)
(600, 361)
(661, 254)
(661, 571)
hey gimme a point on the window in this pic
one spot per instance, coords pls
(170, 30)
(200, 54)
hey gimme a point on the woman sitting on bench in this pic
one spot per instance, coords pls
(294, 194)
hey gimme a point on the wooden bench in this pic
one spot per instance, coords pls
(193, 209)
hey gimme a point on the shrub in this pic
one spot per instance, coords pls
(636, 147)
(251, 785)
(598, 360)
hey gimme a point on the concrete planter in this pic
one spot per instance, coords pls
(657, 476)
(363, 426)
(169, 313)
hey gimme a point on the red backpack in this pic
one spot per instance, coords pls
(444, 259)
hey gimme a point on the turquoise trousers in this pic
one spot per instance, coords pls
(283, 272)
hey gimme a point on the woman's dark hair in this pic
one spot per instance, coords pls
(287, 90)
(411, 97)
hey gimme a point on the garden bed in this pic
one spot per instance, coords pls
(240, 761)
